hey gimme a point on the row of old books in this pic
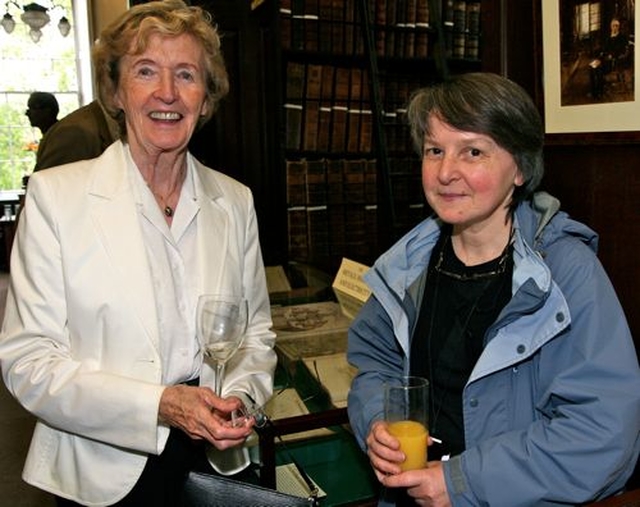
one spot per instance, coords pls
(332, 207)
(328, 109)
(461, 21)
(332, 210)
(328, 26)
(402, 28)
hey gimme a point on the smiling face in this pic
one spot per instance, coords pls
(162, 93)
(467, 177)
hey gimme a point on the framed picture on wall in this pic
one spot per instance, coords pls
(589, 65)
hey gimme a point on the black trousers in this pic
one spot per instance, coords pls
(162, 479)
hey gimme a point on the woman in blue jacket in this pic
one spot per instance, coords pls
(500, 302)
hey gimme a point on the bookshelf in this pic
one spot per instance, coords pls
(348, 67)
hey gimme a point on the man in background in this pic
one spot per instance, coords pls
(85, 133)
(42, 110)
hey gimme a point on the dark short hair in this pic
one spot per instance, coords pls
(170, 18)
(487, 104)
(44, 100)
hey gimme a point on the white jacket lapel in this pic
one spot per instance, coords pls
(114, 210)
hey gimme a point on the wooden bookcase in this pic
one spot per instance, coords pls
(346, 181)
(348, 67)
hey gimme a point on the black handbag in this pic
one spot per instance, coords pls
(206, 490)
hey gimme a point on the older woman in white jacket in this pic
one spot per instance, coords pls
(111, 254)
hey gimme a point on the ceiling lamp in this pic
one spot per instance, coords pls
(64, 26)
(8, 23)
(36, 17)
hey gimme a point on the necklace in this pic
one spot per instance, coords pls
(465, 277)
(164, 201)
(462, 306)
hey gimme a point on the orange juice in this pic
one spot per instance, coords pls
(413, 442)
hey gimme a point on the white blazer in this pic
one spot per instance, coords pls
(79, 343)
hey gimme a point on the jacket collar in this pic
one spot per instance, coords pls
(113, 207)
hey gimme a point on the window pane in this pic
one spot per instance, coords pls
(47, 65)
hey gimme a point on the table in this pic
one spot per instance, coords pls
(334, 461)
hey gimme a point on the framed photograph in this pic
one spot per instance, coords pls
(589, 65)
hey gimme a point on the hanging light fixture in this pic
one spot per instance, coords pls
(8, 23)
(64, 26)
(36, 17)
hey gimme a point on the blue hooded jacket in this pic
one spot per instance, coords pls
(552, 407)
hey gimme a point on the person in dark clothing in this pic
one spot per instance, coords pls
(613, 54)
(42, 110)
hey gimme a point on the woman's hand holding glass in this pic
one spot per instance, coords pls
(425, 485)
(204, 416)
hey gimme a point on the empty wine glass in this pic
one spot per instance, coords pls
(221, 324)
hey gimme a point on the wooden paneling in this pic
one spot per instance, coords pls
(600, 186)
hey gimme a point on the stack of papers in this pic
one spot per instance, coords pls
(309, 330)
(334, 374)
(289, 480)
(287, 403)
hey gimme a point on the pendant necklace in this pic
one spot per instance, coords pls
(166, 209)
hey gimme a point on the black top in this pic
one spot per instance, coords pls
(458, 306)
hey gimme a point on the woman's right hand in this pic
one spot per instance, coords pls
(202, 415)
(383, 450)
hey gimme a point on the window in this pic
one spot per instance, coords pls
(587, 19)
(56, 64)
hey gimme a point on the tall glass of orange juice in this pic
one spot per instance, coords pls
(406, 409)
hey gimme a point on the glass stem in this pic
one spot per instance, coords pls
(218, 379)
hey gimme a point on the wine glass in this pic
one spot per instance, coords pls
(221, 324)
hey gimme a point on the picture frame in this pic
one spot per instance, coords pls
(570, 105)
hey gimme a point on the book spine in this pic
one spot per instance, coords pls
(297, 25)
(297, 210)
(298, 237)
(349, 20)
(293, 126)
(410, 37)
(326, 21)
(354, 112)
(340, 109)
(316, 183)
(285, 24)
(337, 32)
(391, 20)
(422, 29)
(311, 25)
(294, 94)
(325, 111)
(459, 28)
(472, 49)
(447, 23)
(380, 18)
(400, 28)
(312, 107)
(318, 236)
(296, 183)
